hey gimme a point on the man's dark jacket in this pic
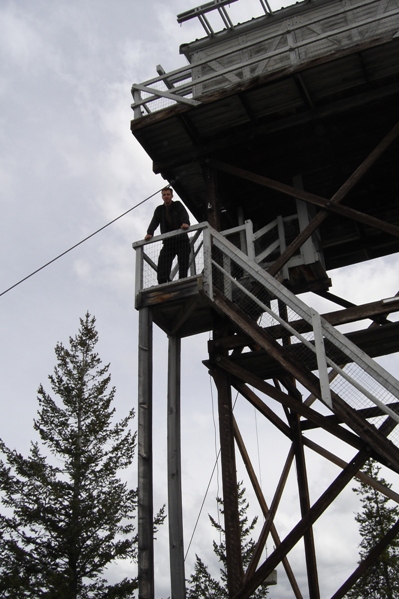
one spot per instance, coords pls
(179, 215)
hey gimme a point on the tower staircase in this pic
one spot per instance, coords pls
(265, 339)
(303, 346)
(296, 105)
(275, 335)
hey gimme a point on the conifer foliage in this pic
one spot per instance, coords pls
(201, 583)
(66, 513)
(378, 515)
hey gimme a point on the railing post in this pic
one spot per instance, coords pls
(321, 358)
(249, 232)
(139, 270)
(136, 103)
(283, 245)
(192, 269)
(207, 240)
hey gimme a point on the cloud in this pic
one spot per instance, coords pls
(69, 166)
(19, 38)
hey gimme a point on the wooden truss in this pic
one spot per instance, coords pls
(270, 368)
(299, 414)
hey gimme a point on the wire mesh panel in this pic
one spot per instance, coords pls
(359, 381)
(250, 52)
(169, 257)
(344, 371)
(163, 91)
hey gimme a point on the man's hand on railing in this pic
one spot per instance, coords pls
(184, 226)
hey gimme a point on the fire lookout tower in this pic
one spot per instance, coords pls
(281, 138)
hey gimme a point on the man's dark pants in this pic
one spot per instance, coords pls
(176, 246)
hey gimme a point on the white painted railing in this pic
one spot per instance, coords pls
(342, 368)
(339, 364)
(281, 43)
(147, 253)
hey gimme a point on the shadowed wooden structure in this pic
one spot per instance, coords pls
(281, 137)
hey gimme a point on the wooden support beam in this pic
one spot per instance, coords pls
(304, 502)
(262, 408)
(360, 475)
(269, 526)
(249, 394)
(287, 401)
(375, 311)
(255, 130)
(175, 505)
(229, 477)
(304, 524)
(268, 514)
(144, 452)
(373, 555)
(212, 207)
(187, 308)
(371, 412)
(310, 198)
(336, 199)
(388, 452)
(317, 509)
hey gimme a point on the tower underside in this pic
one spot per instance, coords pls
(298, 372)
(326, 94)
(282, 134)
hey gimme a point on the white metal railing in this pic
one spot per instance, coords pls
(147, 253)
(268, 243)
(322, 30)
(340, 365)
(272, 240)
(361, 382)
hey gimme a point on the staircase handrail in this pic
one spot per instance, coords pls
(328, 332)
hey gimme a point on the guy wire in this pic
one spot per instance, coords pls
(79, 243)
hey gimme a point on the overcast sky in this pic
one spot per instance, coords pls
(69, 165)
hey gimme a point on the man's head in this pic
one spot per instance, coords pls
(167, 195)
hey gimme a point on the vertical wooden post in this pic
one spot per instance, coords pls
(175, 508)
(144, 444)
(304, 501)
(229, 477)
(213, 210)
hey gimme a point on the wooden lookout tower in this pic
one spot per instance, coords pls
(281, 137)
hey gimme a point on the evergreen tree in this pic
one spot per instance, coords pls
(201, 583)
(381, 580)
(67, 515)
